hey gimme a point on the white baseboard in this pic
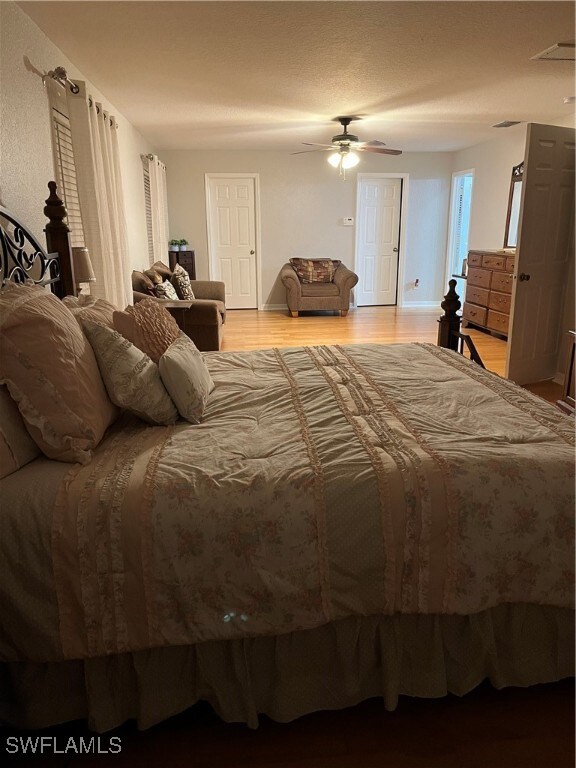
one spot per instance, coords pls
(421, 305)
(274, 307)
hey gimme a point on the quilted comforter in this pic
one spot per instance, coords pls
(324, 482)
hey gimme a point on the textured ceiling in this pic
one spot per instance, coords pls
(426, 76)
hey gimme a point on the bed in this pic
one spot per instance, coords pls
(345, 522)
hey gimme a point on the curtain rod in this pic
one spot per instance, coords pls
(60, 75)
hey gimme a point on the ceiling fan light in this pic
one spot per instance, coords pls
(350, 159)
(334, 159)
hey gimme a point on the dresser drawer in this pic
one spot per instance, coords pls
(479, 277)
(498, 321)
(489, 261)
(474, 314)
(474, 259)
(502, 282)
(500, 301)
(476, 295)
(510, 261)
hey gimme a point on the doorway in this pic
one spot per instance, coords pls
(232, 204)
(380, 228)
(460, 205)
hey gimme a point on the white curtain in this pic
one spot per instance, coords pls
(158, 205)
(95, 143)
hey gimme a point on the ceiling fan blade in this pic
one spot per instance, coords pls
(313, 144)
(307, 151)
(374, 143)
(380, 150)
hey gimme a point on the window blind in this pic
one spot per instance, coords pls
(66, 175)
(148, 208)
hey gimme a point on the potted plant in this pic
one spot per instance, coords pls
(183, 245)
(174, 245)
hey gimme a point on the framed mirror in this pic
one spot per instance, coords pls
(513, 215)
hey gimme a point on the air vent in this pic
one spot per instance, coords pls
(506, 124)
(557, 52)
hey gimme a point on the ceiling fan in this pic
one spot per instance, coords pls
(345, 145)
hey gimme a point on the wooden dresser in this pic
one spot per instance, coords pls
(489, 291)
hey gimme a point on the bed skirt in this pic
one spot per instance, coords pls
(284, 677)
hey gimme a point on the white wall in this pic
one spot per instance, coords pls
(26, 164)
(492, 162)
(302, 201)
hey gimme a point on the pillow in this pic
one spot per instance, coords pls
(90, 308)
(142, 283)
(132, 379)
(181, 282)
(166, 290)
(149, 326)
(186, 378)
(16, 446)
(314, 270)
(164, 271)
(52, 374)
(154, 277)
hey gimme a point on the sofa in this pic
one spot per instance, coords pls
(315, 288)
(201, 319)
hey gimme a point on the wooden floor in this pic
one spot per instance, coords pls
(510, 728)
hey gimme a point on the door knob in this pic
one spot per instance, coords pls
(395, 250)
(523, 277)
(252, 253)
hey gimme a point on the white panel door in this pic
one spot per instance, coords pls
(232, 238)
(378, 241)
(543, 254)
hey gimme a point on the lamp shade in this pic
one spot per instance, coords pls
(83, 270)
(334, 159)
(350, 159)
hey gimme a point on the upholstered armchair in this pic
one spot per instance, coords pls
(201, 318)
(333, 294)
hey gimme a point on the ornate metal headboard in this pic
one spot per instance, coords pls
(23, 258)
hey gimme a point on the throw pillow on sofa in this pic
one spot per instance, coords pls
(181, 282)
(314, 270)
(166, 290)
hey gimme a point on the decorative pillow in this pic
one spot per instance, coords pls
(91, 308)
(154, 277)
(132, 379)
(142, 283)
(314, 270)
(181, 281)
(163, 270)
(52, 374)
(186, 378)
(166, 290)
(16, 446)
(149, 326)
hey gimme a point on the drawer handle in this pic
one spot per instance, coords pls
(523, 277)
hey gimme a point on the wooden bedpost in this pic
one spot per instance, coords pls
(450, 321)
(58, 241)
